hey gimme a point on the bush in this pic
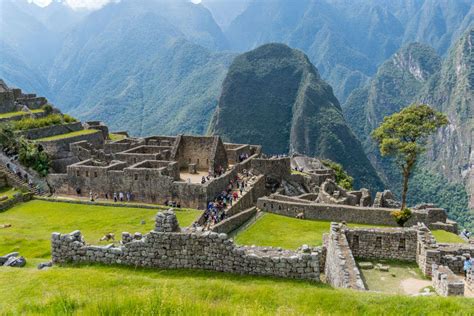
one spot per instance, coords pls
(401, 216)
(33, 156)
(343, 179)
(48, 109)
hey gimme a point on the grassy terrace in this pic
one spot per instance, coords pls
(101, 290)
(33, 223)
(443, 236)
(69, 135)
(19, 113)
(116, 137)
(281, 231)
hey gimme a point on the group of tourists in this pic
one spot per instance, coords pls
(215, 211)
(117, 197)
(172, 204)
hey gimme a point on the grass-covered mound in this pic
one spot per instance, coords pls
(18, 113)
(286, 232)
(33, 222)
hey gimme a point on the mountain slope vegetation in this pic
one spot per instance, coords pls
(274, 96)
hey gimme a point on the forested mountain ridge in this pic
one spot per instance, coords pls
(417, 74)
(275, 97)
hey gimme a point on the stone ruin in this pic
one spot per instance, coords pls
(167, 247)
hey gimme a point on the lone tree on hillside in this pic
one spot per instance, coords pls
(403, 135)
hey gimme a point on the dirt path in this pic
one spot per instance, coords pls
(413, 286)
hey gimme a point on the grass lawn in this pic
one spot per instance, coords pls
(18, 113)
(286, 232)
(115, 137)
(402, 277)
(443, 236)
(34, 221)
(68, 135)
(100, 290)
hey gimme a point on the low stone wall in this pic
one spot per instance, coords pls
(445, 282)
(37, 133)
(340, 268)
(383, 243)
(187, 250)
(232, 223)
(343, 213)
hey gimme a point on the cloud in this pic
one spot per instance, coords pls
(76, 4)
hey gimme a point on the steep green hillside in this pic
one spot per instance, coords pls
(274, 96)
(415, 74)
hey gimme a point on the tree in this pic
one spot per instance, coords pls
(403, 136)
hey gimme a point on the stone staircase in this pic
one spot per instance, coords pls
(18, 182)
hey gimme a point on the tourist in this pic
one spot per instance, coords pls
(128, 196)
(203, 180)
(78, 191)
(235, 195)
(121, 196)
(106, 196)
(467, 264)
(115, 196)
(91, 196)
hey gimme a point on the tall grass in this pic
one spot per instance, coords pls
(27, 123)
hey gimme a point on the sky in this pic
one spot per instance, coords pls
(85, 4)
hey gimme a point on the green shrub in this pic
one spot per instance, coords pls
(32, 155)
(48, 109)
(69, 119)
(343, 179)
(401, 216)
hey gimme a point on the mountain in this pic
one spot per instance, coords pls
(274, 96)
(348, 40)
(417, 74)
(225, 11)
(395, 85)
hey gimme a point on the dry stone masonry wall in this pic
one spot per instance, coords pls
(445, 282)
(190, 250)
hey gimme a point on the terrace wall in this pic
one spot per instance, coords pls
(346, 213)
(232, 223)
(37, 133)
(188, 250)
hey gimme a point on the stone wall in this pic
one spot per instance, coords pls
(343, 213)
(232, 223)
(60, 152)
(37, 133)
(383, 243)
(340, 268)
(430, 252)
(188, 250)
(469, 285)
(445, 282)
(277, 168)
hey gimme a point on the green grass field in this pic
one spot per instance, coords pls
(68, 135)
(33, 223)
(99, 290)
(286, 232)
(112, 290)
(18, 113)
(443, 236)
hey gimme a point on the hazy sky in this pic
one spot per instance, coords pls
(87, 4)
